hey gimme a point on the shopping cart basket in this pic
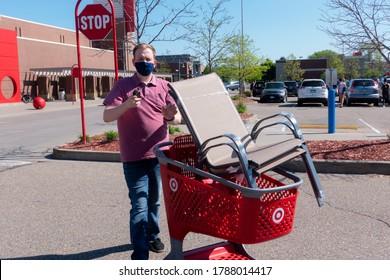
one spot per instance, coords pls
(222, 207)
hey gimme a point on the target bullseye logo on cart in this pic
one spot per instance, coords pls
(173, 184)
(278, 215)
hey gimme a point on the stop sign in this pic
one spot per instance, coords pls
(95, 22)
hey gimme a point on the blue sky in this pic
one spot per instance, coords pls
(278, 27)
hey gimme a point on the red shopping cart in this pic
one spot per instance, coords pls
(224, 207)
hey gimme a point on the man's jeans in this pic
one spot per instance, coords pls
(144, 183)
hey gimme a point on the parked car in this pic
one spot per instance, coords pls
(313, 91)
(234, 85)
(258, 88)
(362, 91)
(274, 91)
(292, 88)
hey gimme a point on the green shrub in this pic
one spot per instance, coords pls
(241, 107)
(111, 135)
(174, 129)
(87, 138)
(240, 96)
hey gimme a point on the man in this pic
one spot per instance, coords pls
(252, 86)
(142, 108)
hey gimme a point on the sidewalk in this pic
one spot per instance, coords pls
(15, 109)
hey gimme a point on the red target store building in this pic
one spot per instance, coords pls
(38, 59)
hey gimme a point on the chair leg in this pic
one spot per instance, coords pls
(242, 250)
(176, 252)
(313, 176)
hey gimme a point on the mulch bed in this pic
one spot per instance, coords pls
(366, 150)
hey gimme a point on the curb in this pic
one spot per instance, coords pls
(342, 166)
(322, 166)
(250, 120)
(66, 154)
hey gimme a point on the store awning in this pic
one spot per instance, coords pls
(66, 71)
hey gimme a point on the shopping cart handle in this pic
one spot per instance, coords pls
(248, 192)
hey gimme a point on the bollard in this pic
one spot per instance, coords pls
(331, 111)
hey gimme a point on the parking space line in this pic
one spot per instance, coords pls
(370, 126)
(13, 163)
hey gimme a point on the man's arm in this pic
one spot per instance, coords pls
(112, 113)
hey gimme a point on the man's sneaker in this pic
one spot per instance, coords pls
(156, 246)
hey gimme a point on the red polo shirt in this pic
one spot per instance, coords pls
(143, 127)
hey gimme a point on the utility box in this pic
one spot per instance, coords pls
(331, 77)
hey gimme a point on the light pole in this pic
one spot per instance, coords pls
(179, 71)
(240, 61)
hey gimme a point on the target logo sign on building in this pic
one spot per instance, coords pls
(95, 22)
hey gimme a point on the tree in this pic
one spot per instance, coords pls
(333, 59)
(358, 25)
(242, 63)
(163, 67)
(292, 68)
(270, 72)
(352, 68)
(373, 73)
(207, 37)
(161, 20)
(376, 67)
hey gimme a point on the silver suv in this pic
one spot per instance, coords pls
(362, 91)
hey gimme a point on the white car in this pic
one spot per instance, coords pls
(313, 91)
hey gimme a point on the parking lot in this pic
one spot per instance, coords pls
(369, 119)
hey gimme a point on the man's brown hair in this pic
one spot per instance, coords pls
(144, 46)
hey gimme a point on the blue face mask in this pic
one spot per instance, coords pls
(144, 68)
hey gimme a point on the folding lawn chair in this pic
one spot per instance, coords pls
(223, 142)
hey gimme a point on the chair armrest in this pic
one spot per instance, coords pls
(288, 120)
(239, 149)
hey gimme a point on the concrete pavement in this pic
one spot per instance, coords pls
(63, 210)
(16, 109)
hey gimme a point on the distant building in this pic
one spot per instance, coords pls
(125, 26)
(44, 59)
(38, 59)
(183, 66)
(314, 68)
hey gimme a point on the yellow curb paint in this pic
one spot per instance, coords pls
(324, 126)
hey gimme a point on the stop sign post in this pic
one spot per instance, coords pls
(95, 22)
